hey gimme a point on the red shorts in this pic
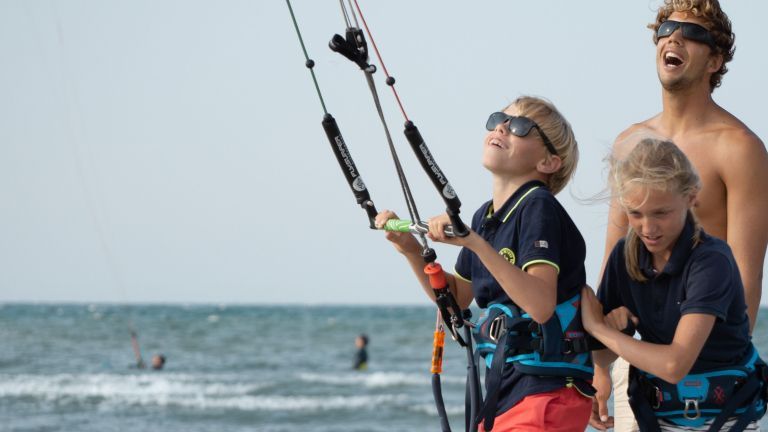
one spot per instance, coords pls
(564, 410)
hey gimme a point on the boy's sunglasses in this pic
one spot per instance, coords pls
(690, 31)
(518, 126)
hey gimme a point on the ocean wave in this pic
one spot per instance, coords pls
(297, 403)
(376, 379)
(370, 380)
(112, 385)
(109, 392)
(430, 409)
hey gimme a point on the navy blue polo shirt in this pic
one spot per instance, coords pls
(697, 279)
(530, 228)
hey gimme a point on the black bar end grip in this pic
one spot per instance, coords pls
(459, 228)
(370, 209)
(429, 165)
(347, 165)
(595, 344)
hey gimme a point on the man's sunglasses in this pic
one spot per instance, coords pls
(690, 31)
(518, 126)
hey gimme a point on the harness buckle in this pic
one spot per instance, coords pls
(497, 328)
(658, 398)
(688, 404)
(568, 344)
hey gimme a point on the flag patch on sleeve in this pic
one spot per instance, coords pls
(541, 244)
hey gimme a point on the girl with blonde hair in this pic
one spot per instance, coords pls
(695, 367)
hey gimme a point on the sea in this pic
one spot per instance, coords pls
(70, 367)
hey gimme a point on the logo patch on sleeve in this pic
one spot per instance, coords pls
(541, 244)
(508, 255)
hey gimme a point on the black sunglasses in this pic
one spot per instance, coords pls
(518, 126)
(690, 31)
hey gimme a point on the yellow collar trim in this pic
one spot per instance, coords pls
(519, 201)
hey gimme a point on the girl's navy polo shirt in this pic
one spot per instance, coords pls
(530, 228)
(697, 279)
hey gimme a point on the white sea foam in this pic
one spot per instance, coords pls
(110, 392)
(430, 409)
(127, 387)
(377, 379)
(373, 379)
(296, 403)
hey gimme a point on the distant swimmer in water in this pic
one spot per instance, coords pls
(361, 356)
(158, 360)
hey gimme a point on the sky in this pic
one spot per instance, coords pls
(171, 151)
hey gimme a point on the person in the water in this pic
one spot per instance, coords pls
(361, 356)
(157, 362)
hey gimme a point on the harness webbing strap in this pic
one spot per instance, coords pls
(493, 384)
(473, 394)
(639, 403)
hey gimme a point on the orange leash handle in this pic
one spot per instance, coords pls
(436, 276)
(437, 351)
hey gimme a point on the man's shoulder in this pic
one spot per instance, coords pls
(727, 133)
(735, 149)
(737, 137)
(626, 140)
(646, 127)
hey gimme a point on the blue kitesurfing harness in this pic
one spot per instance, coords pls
(715, 395)
(559, 347)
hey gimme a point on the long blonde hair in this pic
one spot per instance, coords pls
(657, 164)
(559, 132)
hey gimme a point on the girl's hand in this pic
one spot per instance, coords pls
(620, 318)
(405, 243)
(591, 310)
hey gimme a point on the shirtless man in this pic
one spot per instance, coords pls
(691, 58)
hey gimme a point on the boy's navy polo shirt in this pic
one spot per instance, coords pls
(530, 228)
(697, 279)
